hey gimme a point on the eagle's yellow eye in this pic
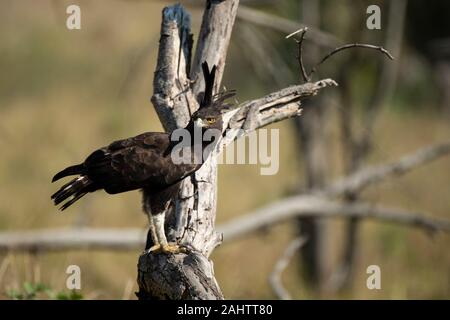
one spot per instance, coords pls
(210, 120)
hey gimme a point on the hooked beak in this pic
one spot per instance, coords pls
(199, 123)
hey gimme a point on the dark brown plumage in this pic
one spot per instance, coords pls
(143, 161)
(124, 165)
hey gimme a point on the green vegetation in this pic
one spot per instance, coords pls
(34, 291)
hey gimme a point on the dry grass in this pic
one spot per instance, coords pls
(62, 95)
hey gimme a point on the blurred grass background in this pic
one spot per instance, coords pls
(64, 93)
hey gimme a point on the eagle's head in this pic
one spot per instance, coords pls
(215, 116)
(214, 112)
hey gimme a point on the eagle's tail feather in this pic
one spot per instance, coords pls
(69, 171)
(76, 189)
(77, 196)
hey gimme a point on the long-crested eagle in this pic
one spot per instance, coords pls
(146, 162)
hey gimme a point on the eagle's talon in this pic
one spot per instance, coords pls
(173, 248)
(167, 249)
(155, 249)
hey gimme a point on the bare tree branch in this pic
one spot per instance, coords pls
(275, 277)
(300, 52)
(367, 176)
(349, 46)
(72, 239)
(279, 105)
(312, 206)
(171, 98)
(354, 182)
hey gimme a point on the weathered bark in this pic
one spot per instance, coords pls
(175, 277)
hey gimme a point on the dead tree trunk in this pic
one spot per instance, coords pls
(312, 147)
(188, 276)
(190, 220)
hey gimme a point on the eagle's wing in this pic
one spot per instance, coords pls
(134, 163)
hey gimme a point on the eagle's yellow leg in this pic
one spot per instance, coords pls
(157, 245)
(159, 238)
